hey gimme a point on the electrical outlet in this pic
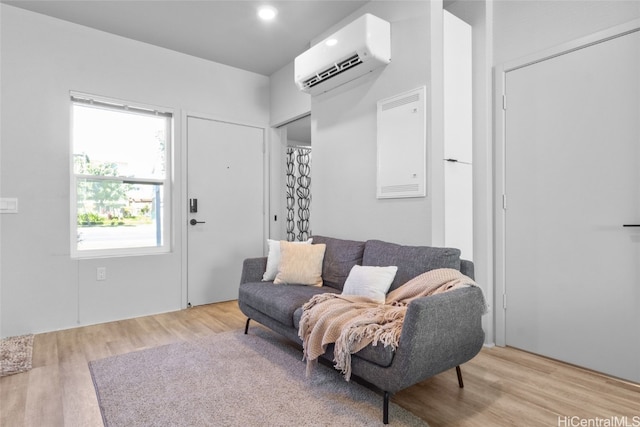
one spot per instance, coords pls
(101, 273)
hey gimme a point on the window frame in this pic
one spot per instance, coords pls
(112, 104)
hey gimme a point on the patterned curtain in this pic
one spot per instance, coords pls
(298, 193)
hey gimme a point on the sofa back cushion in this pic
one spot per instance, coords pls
(410, 260)
(339, 257)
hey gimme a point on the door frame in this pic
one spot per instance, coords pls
(183, 212)
(500, 199)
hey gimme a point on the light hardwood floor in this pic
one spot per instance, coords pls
(503, 386)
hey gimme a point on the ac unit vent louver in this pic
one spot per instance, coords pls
(332, 71)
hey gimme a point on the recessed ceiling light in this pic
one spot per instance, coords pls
(267, 13)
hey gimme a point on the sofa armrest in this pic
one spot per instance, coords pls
(439, 332)
(467, 268)
(253, 269)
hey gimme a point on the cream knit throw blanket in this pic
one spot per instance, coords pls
(353, 322)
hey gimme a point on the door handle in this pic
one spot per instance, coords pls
(194, 222)
(631, 225)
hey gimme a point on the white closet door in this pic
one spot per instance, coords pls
(572, 181)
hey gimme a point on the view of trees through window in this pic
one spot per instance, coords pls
(119, 168)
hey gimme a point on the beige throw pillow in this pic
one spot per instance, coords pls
(273, 258)
(300, 264)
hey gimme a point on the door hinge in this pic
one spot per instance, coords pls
(504, 301)
(504, 102)
(504, 202)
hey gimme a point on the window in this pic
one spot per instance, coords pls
(120, 178)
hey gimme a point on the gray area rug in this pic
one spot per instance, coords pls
(15, 354)
(232, 379)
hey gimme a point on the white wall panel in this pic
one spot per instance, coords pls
(402, 145)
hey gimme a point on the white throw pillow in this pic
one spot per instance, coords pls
(273, 258)
(371, 282)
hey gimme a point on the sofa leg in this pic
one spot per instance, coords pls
(246, 326)
(385, 408)
(459, 372)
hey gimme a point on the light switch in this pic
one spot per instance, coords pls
(8, 205)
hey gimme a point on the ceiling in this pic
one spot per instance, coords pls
(228, 32)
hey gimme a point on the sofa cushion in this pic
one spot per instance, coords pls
(339, 257)
(278, 301)
(378, 354)
(300, 264)
(410, 260)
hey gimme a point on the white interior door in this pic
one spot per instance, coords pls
(226, 177)
(572, 271)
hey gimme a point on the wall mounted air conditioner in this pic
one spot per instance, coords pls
(355, 50)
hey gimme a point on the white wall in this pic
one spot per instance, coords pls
(42, 288)
(344, 138)
(287, 102)
(526, 27)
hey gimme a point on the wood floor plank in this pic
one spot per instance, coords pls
(13, 398)
(503, 386)
(45, 350)
(70, 349)
(43, 406)
(80, 404)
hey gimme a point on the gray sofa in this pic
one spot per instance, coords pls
(440, 332)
